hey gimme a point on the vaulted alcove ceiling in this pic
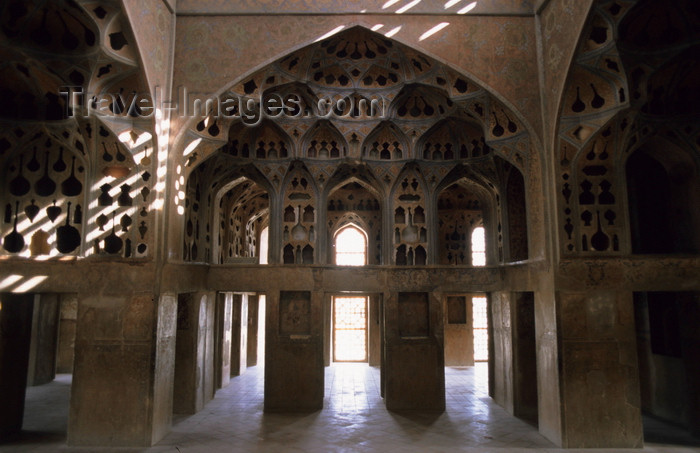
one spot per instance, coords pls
(356, 81)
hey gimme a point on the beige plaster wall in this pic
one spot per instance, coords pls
(600, 382)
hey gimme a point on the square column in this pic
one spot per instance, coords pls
(253, 318)
(15, 338)
(414, 364)
(42, 355)
(122, 380)
(194, 353)
(239, 335)
(294, 375)
(600, 379)
(222, 360)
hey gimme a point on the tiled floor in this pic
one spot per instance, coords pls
(354, 419)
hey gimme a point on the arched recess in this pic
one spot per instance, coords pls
(423, 90)
(465, 201)
(386, 142)
(452, 139)
(418, 102)
(459, 212)
(262, 142)
(243, 211)
(376, 68)
(663, 190)
(323, 141)
(355, 202)
(218, 197)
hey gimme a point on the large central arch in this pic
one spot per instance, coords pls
(360, 99)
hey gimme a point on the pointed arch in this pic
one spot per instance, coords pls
(323, 141)
(386, 142)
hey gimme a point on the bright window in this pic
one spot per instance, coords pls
(350, 247)
(263, 245)
(350, 329)
(478, 247)
(481, 329)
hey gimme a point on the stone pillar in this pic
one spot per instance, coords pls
(502, 358)
(253, 314)
(374, 334)
(524, 357)
(327, 329)
(194, 353)
(66, 333)
(121, 388)
(599, 379)
(690, 339)
(222, 359)
(164, 370)
(42, 352)
(549, 413)
(239, 335)
(459, 331)
(414, 368)
(15, 338)
(294, 374)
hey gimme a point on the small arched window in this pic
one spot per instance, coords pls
(264, 245)
(350, 247)
(478, 247)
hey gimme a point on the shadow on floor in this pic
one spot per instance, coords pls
(661, 432)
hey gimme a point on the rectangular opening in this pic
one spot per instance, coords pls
(350, 329)
(481, 329)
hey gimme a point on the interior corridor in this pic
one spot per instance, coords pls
(354, 418)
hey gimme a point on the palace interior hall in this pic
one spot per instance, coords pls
(362, 225)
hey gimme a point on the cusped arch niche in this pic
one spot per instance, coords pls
(355, 201)
(453, 139)
(386, 142)
(324, 141)
(262, 142)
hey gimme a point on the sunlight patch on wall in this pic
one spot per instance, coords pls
(433, 30)
(330, 33)
(408, 6)
(392, 32)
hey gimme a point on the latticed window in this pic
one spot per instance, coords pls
(350, 329)
(481, 332)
